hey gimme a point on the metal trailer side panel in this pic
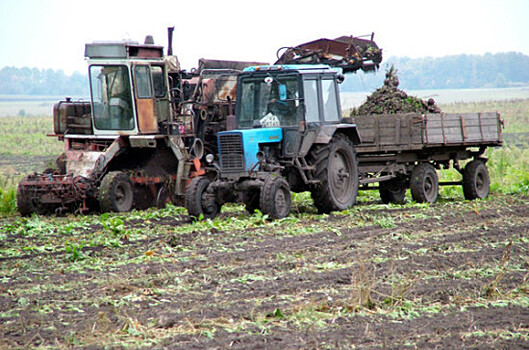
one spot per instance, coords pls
(462, 129)
(414, 132)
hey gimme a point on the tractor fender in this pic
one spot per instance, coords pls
(326, 132)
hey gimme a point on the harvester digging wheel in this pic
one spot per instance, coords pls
(275, 197)
(424, 184)
(196, 201)
(337, 170)
(476, 180)
(26, 205)
(115, 192)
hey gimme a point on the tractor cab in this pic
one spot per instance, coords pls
(298, 100)
(128, 86)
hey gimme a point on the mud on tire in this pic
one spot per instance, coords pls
(116, 193)
(195, 203)
(337, 170)
(392, 191)
(476, 180)
(275, 197)
(424, 184)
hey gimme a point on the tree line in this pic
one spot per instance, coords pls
(34, 81)
(449, 72)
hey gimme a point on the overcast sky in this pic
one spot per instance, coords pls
(52, 34)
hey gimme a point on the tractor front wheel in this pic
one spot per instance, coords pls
(275, 198)
(197, 202)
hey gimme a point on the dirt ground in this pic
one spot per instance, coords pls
(449, 275)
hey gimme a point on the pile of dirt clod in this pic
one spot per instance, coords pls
(390, 100)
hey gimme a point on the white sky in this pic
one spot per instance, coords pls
(52, 34)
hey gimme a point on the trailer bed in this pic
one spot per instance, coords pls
(420, 132)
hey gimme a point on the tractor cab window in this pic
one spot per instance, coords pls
(268, 101)
(330, 102)
(111, 98)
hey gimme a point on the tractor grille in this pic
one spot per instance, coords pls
(231, 151)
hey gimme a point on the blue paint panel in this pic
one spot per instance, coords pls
(251, 138)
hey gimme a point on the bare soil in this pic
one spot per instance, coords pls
(449, 275)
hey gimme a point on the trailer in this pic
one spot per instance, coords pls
(401, 151)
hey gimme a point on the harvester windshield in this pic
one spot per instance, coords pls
(268, 101)
(111, 97)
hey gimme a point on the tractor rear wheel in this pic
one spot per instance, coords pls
(476, 180)
(336, 168)
(196, 201)
(424, 184)
(275, 197)
(116, 193)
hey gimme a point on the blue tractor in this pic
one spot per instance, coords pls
(287, 135)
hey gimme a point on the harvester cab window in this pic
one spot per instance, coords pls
(111, 98)
(158, 81)
(143, 81)
(330, 102)
(269, 101)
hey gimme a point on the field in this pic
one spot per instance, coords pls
(448, 275)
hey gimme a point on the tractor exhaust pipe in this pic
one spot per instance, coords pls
(170, 41)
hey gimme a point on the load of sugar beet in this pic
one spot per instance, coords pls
(390, 100)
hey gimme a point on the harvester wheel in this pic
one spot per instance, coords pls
(392, 191)
(275, 197)
(25, 203)
(424, 184)
(116, 193)
(197, 203)
(476, 180)
(337, 170)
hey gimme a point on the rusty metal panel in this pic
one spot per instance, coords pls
(147, 122)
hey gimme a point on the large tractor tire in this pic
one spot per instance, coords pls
(337, 170)
(424, 184)
(392, 191)
(275, 200)
(195, 202)
(116, 193)
(476, 180)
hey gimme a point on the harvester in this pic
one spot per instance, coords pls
(140, 138)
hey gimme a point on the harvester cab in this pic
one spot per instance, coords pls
(288, 136)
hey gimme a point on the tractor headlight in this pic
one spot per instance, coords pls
(210, 158)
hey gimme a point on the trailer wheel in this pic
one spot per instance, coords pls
(275, 197)
(337, 170)
(424, 184)
(392, 191)
(476, 180)
(196, 201)
(116, 193)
